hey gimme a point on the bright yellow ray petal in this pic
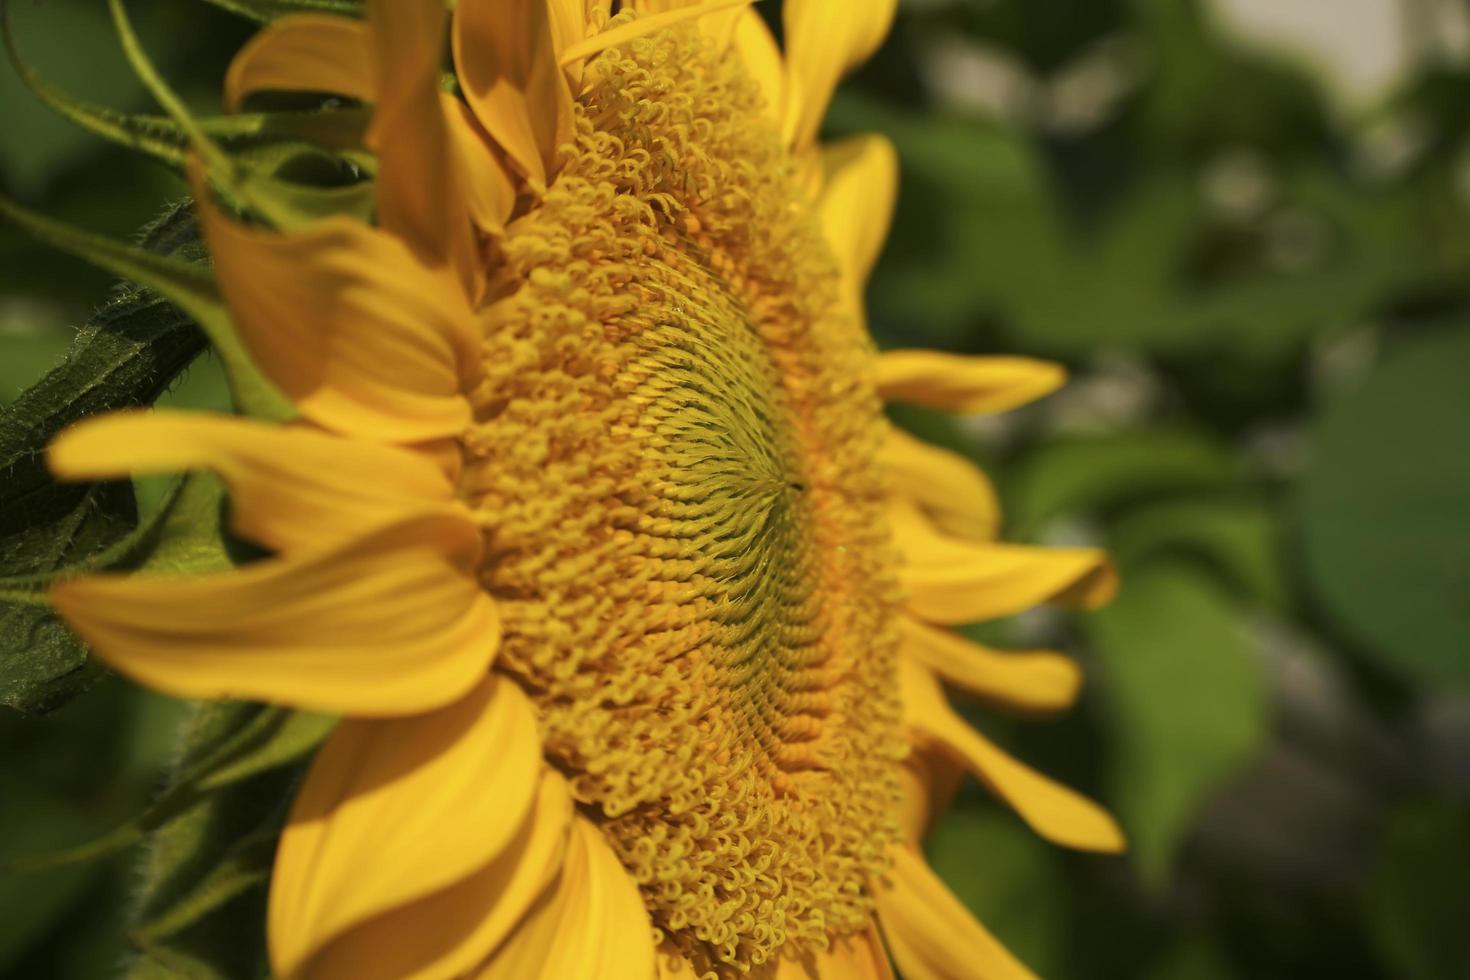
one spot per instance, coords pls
(951, 581)
(1031, 679)
(421, 196)
(1055, 812)
(591, 923)
(825, 39)
(343, 318)
(951, 490)
(451, 931)
(859, 186)
(395, 810)
(507, 64)
(762, 56)
(303, 53)
(390, 623)
(291, 487)
(958, 383)
(931, 935)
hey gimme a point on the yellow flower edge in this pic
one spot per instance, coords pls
(591, 525)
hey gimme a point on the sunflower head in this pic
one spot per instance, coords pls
(590, 520)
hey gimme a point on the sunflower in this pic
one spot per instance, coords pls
(590, 522)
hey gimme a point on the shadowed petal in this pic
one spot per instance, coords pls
(451, 931)
(395, 810)
(348, 323)
(506, 57)
(590, 923)
(304, 53)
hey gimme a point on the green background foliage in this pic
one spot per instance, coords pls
(1259, 284)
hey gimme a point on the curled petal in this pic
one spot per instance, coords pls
(1033, 679)
(1053, 811)
(951, 581)
(825, 39)
(951, 490)
(291, 487)
(590, 923)
(957, 383)
(931, 934)
(349, 324)
(393, 811)
(304, 53)
(390, 623)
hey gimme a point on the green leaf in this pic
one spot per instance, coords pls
(189, 285)
(268, 10)
(1007, 877)
(126, 357)
(1186, 702)
(1090, 474)
(1236, 538)
(1385, 511)
(1417, 900)
(201, 892)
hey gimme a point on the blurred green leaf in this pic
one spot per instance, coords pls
(1385, 510)
(266, 10)
(1417, 900)
(32, 819)
(1236, 538)
(1185, 699)
(1007, 877)
(1089, 474)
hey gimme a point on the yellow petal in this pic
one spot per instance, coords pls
(825, 39)
(394, 810)
(929, 778)
(349, 324)
(568, 27)
(951, 581)
(762, 56)
(591, 923)
(1053, 811)
(676, 13)
(859, 956)
(390, 623)
(859, 186)
(304, 53)
(1032, 679)
(931, 935)
(451, 931)
(507, 64)
(957, 383)
(420, 191)
(490, 190)
(290, 487)
(951, 490)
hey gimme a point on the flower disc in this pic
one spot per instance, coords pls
(685, 534)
